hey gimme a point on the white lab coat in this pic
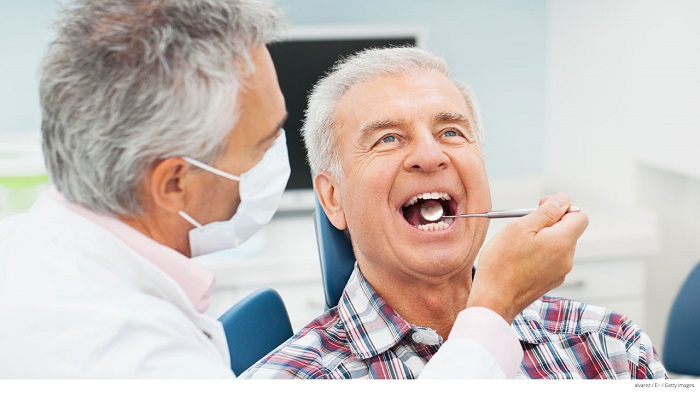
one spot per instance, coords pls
(77, 302)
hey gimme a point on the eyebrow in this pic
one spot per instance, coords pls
(378, 125)
(442, 117)
(456, 117)
(273, 133)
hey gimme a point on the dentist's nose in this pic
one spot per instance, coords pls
(426, 154)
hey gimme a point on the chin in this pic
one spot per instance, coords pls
(441, 265)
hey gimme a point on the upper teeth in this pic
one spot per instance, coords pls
(427, 195)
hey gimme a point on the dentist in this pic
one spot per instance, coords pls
(162, 136)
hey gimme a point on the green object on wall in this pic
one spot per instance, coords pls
(15, 182)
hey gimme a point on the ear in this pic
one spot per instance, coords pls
(167, 184)
(329, 196)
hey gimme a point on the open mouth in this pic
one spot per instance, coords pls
(412, 207)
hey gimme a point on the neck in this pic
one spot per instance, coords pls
(431, 304)
(159, 228)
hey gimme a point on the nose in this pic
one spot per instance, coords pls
(426, 154)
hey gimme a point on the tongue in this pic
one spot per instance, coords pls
(412, 214)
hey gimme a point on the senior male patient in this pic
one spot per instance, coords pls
(387, 130)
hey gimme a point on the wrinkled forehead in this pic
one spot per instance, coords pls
(394, 100)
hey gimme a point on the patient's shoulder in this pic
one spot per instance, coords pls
(314, 352)
(584, 335)
(557, 315)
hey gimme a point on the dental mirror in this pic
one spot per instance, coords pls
(432, 211)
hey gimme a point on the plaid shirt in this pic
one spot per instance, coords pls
(363, 337)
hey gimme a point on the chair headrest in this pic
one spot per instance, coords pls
(335, 254)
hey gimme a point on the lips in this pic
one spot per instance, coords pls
(411, 210)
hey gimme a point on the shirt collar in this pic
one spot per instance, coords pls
(197, 282)
(372, 326)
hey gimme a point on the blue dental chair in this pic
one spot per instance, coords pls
(254, 327)
(681, 351)
(336, 257)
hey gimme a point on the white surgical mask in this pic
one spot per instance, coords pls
(261, 189)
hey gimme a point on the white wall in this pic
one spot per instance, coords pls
(623, 88)
(623, 124)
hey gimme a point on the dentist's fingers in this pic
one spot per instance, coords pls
(549, 212)
(570, 225)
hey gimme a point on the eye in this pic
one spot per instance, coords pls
(452, 132)
(388, 139)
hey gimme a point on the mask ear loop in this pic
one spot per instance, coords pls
(211, 169)
(189, 219)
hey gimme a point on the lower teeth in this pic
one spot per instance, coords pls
(436, 226)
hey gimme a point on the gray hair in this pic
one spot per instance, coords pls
(318, 129)
(130, 82)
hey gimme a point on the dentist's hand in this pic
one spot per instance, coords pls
(529, 257)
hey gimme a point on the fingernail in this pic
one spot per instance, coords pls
(559, 200)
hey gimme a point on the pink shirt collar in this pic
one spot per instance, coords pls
(197, 282)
